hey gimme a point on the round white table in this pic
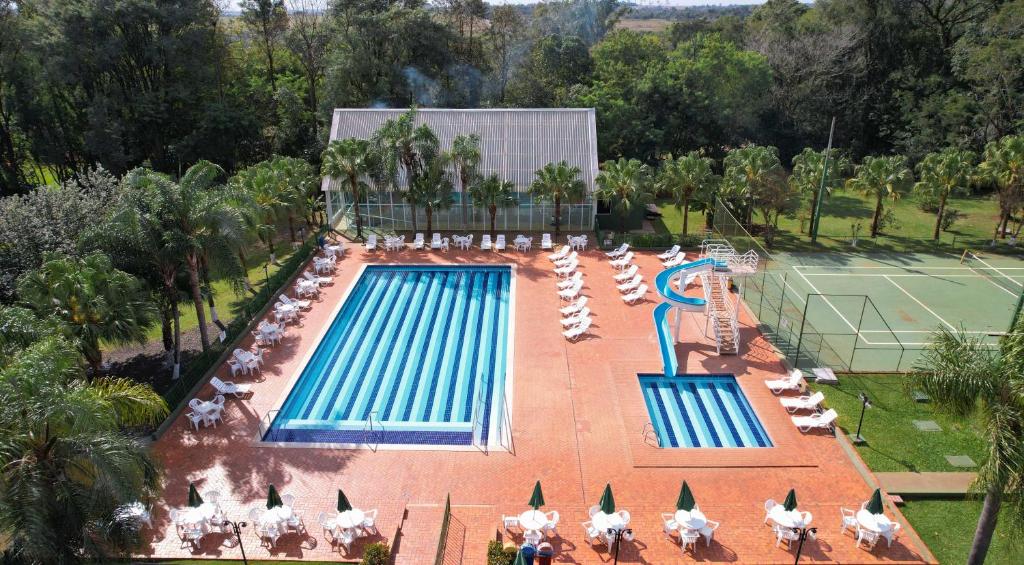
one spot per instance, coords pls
(691, 520)
(199, 514)
(533, 520)
(787, 519)
(604, 522)
(349, 519)
(276, 516)
(878, 523)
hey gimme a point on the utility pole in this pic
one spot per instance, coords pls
(816, 213)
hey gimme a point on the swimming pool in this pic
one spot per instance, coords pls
(415, 355)
(701, 411)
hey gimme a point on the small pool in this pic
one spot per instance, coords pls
(701, 411)
(415, 355)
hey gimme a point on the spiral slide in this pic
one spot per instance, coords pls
(673, 299)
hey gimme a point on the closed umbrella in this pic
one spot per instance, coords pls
(273, 499)
(520, 559)
(685, 500)
(194, 500)
(607, 503)
(343, 504)
(537, 500)
(875, 504)
(789, 504)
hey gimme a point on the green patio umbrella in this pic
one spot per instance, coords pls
(343, 504)
(194, 500)
(685, 500)
(273, 499)
(875, 504)
(789, 504)
(607, 502)
(520, 558)
(537, 500)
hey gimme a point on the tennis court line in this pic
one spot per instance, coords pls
(914, 298)
(976, 275)
(908, 268)
(834, 309)
(983, 262)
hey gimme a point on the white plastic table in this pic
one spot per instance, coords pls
(878, 523)
(200, 514)
(793, 519)
(604, 522)
(533, 520)
(276, 516)
(462, 242)
(691, 520)
(349, 519)
(333, 249)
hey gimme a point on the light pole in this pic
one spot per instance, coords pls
(803, 533)
(865, 403)
(616, 536)
(266, 276)
(237, 528)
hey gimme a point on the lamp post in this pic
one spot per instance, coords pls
(803, 534)
(266, 276)
(237, 528)
(865, 403)
(616, 536)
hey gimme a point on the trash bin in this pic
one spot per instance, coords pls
(544, 553)
(528, 551)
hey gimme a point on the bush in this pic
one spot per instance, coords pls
(949, 217)
(498, 555)
(377, 553)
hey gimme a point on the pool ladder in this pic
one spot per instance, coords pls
(647, 432)
(371, 431)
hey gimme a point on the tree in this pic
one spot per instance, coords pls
(942, 175)
(965, 377)
(403, 150)
(432, 188)
(683, 178)
(775, 197)
(465, 156)
(493, 192)
(505, 29)
(747, 169)
(808, 170)
(625, 184)
(1003, 165)
(268, 20)
(262, 196)
(881, 178)
(93, 301)
(308, 36)
(67, 461)
(557, 182)
(350, 161)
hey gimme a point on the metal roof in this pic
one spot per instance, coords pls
(514, 142)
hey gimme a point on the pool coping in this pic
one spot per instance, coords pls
(297, 374)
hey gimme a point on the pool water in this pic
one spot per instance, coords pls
(701, 411)
(415, 355)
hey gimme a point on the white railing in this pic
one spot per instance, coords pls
(647, 431)
(372, 430)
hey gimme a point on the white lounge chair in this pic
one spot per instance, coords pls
(802, 402)
(576, 319)
(636, 295)
(574, 307)
(623, 262)
(562, 253)
(225, 388)
(577, 277)
(670, 253)
(435, 241)
(631, 285)
(826, 420)
(545, 241)
(574, 333)
(485, 242)
(566, 260)
(619, 252)
(627, 274)
(679, 259)
(321, 281)
(371, 242)
(300, 304)
(571, 293)
(499, 242)
(567, 270)
(791, 382)
(418, 243)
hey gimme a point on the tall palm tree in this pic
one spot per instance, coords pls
(1003, 164)
(882, 178)
(258, 195)
(685, 177)
(465, 155)
(624, 183)
(66, 464)
(402, 150)
(965, 377)
(350, 161)
(557, 182)
(808, 169)
(942, 175)
(493, 192)
(92, 300)
(747, 170)
(433, 188)
(297, 182)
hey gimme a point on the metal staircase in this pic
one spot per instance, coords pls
(721, 312)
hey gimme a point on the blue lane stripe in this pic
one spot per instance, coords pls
(667, 424)
(748, 416)
(726, 415)
(694, 440)
(704, 414)
(417, 375)
(497, 297)
(460, 353)
(436, 375)
(478, 330)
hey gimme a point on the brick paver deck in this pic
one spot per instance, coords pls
(577, 418)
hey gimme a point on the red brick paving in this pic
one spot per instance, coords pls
(577, 419)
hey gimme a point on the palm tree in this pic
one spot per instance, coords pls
(92, 300)
(747, 169)
(349, 161)
(557, 182)
(881, 177)
(965, 377)
(624, 183)
(297, 182)
(492, 192)
(685, 177)
(465, 156)
(66, 462)
(258, 194)
(808, 169)
(1003, 164)
(432, 188)
(403, 149)
(944, 174)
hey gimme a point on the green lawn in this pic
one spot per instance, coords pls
(894, 444)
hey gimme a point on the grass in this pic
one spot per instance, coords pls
(947, 526)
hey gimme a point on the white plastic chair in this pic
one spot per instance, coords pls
(499, 242)
(510, 523)
(768, 505)
(849, 521)
(435, 241)
(784, 534)
(669, 524)
(545, 241)
(708, 531)
(369, 524)
(866, 536)
(592, 534)
(532, 537)
(371, 242)
(552, 525)
(195, 418)
(688, 538)
(485, 242)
